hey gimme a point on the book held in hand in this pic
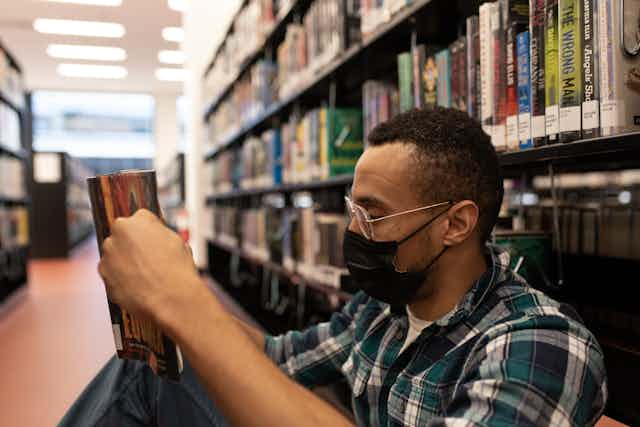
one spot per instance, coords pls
(117, 195)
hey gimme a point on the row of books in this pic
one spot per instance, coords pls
(12, 178)
(9, 127)
(11, 82)
(327, 28)
(14, 227)
(321, 144)
(301, 240)
(252, 25)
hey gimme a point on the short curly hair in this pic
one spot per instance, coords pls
(455, 159)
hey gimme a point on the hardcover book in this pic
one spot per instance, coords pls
(537, 57)
(443, 62)
(486, 67)
(524, 91)
(590, 84)
(473, 68)
(430, 77)
(570, 54)
(405, 81)
(552, 72)
(121, 195)
(499, 70)
(419, 53)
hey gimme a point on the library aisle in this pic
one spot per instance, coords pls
(59, 335)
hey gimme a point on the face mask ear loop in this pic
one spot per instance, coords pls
(423, 226)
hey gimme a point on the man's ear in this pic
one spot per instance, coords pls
(463, 219)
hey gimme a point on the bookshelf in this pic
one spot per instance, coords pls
(339, 82)
(171, 189)
(15, 165)
(62, 212)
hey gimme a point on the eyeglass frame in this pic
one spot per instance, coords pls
(369, 220)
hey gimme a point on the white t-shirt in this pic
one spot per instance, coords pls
(416, 326)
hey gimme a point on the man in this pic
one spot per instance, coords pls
(442, 334)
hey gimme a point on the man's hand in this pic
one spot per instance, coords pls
(146, 267)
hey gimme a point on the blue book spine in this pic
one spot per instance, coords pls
(276, 152)
(524, 90)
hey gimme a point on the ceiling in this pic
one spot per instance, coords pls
(142, 19)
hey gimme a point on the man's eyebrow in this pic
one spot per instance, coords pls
(371, 202)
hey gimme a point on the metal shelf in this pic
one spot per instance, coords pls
(18, 154)
(294, 277)
(14, 202)
(338, 181)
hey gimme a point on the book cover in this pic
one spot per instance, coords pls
(524, 91)
(462, 74)
(344, 144)
(473, 67)
(590, 86)
(486, 67)
(570, 56)
(121, 195)
(454, 50)
(405, 81)
(443, 63)
(499, 70)
(537, 57)
(418, 83)
(552, 72)
(430, 77)
(276, 156)
(619, 66)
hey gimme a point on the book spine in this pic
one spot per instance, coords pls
(570, 55)
(462, 74)
(499, 77)
(537, 57)
(405, 74)
(430, 76)
(454, 50)
(344, 132)
(443, 61)
(552, 72)
(513, 141)
(606, 37)
(473, 68)
(590, 87)
(524, 91)
(418, 82)
(486, 66)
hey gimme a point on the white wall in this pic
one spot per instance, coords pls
(166, 130)
(205, 24)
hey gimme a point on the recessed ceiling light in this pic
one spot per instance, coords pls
(92, 53)
(178, 5)
(171, 74)
(173, 34)
(171, 57)
(90, 2)
(78, 28)
(92, 71)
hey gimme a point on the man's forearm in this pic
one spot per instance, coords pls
(256, 335)
(247, 386)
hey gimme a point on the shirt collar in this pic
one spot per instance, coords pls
(497, 263)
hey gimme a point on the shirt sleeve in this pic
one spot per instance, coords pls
(315, 356)
(532, 377)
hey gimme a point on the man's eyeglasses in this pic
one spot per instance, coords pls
(365, 223)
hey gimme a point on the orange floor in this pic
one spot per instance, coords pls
(55, 337)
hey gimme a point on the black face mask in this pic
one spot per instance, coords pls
(370, 264)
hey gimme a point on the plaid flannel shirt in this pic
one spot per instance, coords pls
(505, 355)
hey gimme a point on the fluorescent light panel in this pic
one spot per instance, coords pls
(79, 28)
(178, 5)
(173, 34)
(92, 71)
(171, 57)
(90, 53)
(111, 3)
(170, 74)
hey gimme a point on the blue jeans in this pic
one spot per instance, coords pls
(127, 393)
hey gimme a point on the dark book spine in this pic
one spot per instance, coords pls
(473, 68)
(537, 55)
(591, 93)
(552, 72)
(570, 71)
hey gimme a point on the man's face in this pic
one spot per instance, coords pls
(384, 184)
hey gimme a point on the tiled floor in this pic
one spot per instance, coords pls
(55, 338)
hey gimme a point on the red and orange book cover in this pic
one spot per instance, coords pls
(117, 195)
